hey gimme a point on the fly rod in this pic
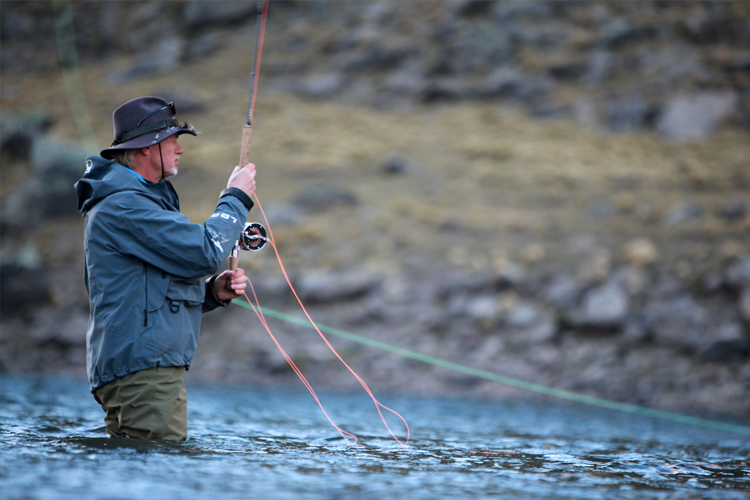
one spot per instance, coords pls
(253, 236)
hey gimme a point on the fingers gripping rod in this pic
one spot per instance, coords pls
(247, 132)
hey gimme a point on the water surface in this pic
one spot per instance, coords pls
(275, 443)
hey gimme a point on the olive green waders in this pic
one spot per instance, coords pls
(147, 404)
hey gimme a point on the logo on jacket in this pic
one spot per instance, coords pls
(217, 238)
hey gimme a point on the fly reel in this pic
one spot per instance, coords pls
(253, 237)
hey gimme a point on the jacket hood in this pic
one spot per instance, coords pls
(105, 177)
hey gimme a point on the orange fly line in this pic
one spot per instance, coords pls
(259, 313)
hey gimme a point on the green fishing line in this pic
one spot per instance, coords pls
(520, 384)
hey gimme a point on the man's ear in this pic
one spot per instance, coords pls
(145, 151)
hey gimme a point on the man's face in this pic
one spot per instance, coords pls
(170, 154)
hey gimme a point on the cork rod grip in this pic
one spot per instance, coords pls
(247, 134)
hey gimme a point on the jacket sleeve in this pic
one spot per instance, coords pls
(212, 301)
(138, 226)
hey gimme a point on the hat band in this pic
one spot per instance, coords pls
(145, 129)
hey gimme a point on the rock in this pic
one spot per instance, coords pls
(522, 314)
(335, 286)
(201, 46)
(507, 82)
(602, 209)
(410, 80)
(619, 32)
(597, 266)
(734, 210)
(198, 14)
(395, 164)
(743, 304)
(25, 288)
(468, 8)
(599, 67)
(542, 332)
(445, 89)
(21, 214)
(604, 307)
(532, 253)
(737, 274)
(163, 56)
(683, 212)
(568, 70)
(690, 116)
(677, 324)
(628, 113)
(509, 275)
(19, 133)
(562, 292)
(484, 311)
(283, 213)
(321, 85)
(453, 284)
(728, 342)
(511, 11)
(49, 192)
(323, 197)
(640, 252)
(504, 81)
(63, 331)
(184, 102)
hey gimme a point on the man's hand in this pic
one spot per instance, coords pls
(243, 178)
(230, 285)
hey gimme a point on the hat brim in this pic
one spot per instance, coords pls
(146, 140)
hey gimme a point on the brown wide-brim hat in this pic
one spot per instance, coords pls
(144, 122)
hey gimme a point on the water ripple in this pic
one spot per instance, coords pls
(249, 444)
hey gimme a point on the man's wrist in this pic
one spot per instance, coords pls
(239, 194)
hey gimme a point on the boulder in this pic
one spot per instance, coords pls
(562, 292)
(395, 163)
(691, 116)
(319, 198)
(335, 286)
(737, 274)
(25, 288)
(217, 13)
(728, 342)
(640, 252)
(604, 307)
(321, 85)
(734, 210)
(683, 212)
(628, 113)
(743, 304)
(678, 323)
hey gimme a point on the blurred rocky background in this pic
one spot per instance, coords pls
(551, 191)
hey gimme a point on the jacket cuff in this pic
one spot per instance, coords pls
(211, 301)
(240, 194)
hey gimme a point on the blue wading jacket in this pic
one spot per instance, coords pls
(145, 269)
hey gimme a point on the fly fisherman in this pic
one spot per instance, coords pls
(146, 265)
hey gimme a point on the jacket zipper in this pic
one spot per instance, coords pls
(145, 294)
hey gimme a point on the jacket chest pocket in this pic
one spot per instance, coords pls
(185, 292)
(156, 283)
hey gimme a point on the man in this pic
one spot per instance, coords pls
(145, 269)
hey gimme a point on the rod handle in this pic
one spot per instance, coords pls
(247, 134)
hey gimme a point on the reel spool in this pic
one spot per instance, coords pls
(253, 237)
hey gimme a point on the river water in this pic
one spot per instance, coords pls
(248, 443)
